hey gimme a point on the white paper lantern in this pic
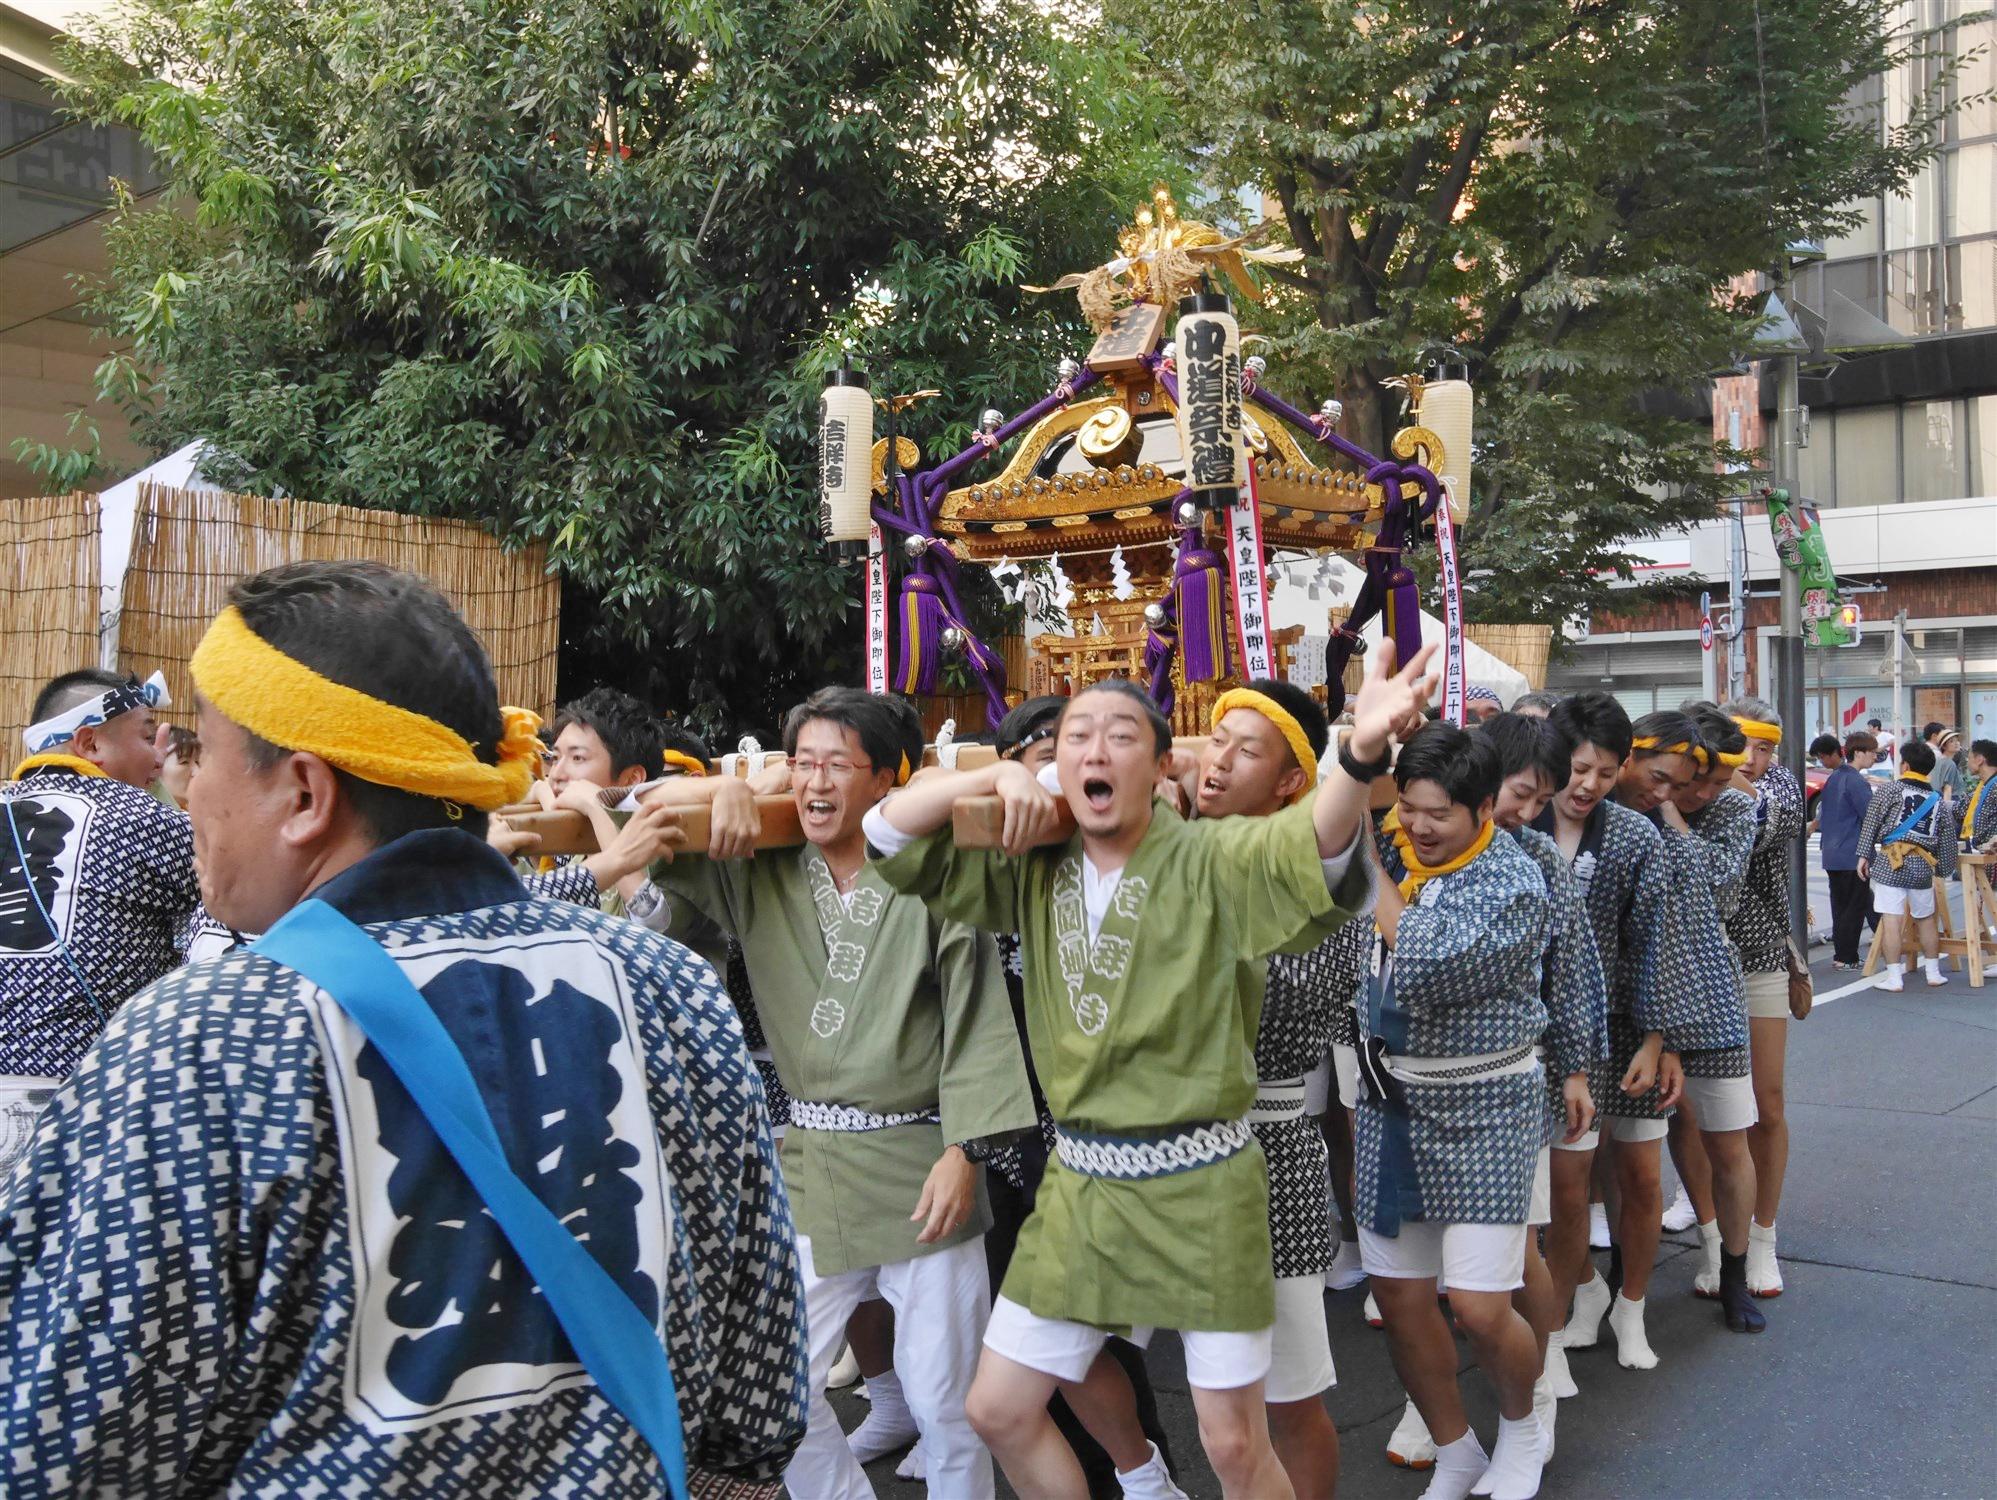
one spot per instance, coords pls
(1207, 354)
(845, 455)
(1446, 412)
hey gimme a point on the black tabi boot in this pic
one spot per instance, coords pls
(1743, 1316)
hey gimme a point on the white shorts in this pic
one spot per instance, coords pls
(1054, 1346)
(1891, 901)
(1638, 1130)
(1588, 1141)
(1317, 1092)
(1722, 1103)
(1300, 1352)
(1541, 1209)
(1768, 996)
(1345, 1063)
(1467, 1257)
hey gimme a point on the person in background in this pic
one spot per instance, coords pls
(180, 753)
(1906, 844)
(1882, 765)
(1947, 775)
(1841, 809)
(1480, 703)
(1827, 752)
(1535, 704)
(1979, 813)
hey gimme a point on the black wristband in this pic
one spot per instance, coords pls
(1363, 772)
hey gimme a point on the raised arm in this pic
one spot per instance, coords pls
(1389, 707)
(924, 805)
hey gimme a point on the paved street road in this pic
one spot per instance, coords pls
(1878, 1375)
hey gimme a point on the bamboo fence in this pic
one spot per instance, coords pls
(192, 546)
(48, 602)
(1520, 647)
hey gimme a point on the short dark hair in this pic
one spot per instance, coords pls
(888, 728)
(1123, 687)
(63, 693)
(1027, 719)
(1932, 728)
(390, 635)
(630, 731)
(1525, 742)
(183, 743)
(1594, 718)
(1825, 744)
(1301, 706)
(1918, 755)
(1718, 728)
(1858, 740)
(1463, 764)
(1536, 698)
(1985, 748)
(1668, 726)
(1874, 724)
(672, 737)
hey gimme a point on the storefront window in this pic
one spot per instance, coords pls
(1972, 191)
(1931, 452)
(1973, 285)
(1867, 456)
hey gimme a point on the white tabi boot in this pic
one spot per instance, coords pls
(1591, 1301)
(889, 1425)
(1516, 1460)
(1560, 1374)
(1936, 977)
(1764, 1273)
(1150, 1481)
(1633, 1351)
(1373, 1318)
(1457, 1468)
(914, 1466)
(1680, 1215)
(1895, 978)
(1410, 1446)
(1707, 1282)
(1546, 1407)
(1598, 1226)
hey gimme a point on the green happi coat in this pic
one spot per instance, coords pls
(1149, 1030)
(883, 1007)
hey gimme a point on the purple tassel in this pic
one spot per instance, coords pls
(1403, 620)
(921, 634)
(1202, 608)
(1160, 646)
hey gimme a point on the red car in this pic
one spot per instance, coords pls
(1814, 777)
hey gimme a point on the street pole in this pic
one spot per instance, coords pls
(1737, 605)
(1789, 637)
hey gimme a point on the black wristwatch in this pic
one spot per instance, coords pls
(1363, 772)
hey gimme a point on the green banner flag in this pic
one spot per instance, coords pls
(1799, 540)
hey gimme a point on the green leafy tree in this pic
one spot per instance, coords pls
(575, 272)
(1572, 191)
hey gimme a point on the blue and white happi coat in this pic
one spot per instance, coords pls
(238, 1260)
(1572, 984)
(1712, 862)
(1462, 980)
(1625, 878)
(1928, 850)
(1759, 924)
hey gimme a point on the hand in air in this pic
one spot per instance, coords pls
(1032, 813)
(1391, 704)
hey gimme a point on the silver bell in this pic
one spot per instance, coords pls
(915, 546)
(1331, 411)
(1359, 646)
(1187, 513)
(953, 639)
(991, 419)
(1154, 616)
(1256, 365)
(1068, 369)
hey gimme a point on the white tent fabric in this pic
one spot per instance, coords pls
(118, 520)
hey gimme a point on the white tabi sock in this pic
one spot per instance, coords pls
(1457, 1467)
(1516, 1459)
(1598, 1226)
(1559, 1373)
(1895, 978)
(1764, 1272)
(1409, 1446)
(913, 1465)
(1591, 1300)
(1934, 968)
(1633, 1351)
(1546, 1407)
(889, 1425)
(1150, 1480)
(1372, 1311)
(1707, 1282)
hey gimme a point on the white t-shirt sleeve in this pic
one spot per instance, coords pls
(882, 834)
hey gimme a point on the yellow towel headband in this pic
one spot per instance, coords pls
(1285, 721)
(282, 700)
(1736, 759)
(1755, 729)
(1649, 742)
(691, 764)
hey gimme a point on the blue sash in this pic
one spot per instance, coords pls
(1397, 1193)
(1907, 824)
(614, 1341)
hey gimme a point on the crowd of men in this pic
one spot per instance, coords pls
(348, 1146)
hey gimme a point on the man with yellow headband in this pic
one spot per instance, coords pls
(1907, 842)
(1762, 929)
(96, 883)
(1453, 1105)
(262, 1184)
(891, 1032)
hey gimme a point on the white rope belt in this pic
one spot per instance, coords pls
(1132, 1159)
(1451, 1070)
(809, 1114)
(1277, 1099)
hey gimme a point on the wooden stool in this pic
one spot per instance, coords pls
(1966, 949)
(1979, 908)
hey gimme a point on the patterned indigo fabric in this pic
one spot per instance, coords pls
(114, 868)
(202, 937)
(1300, 1003)
(1938, 833)
(1464, 981)
(1712, 862)
(569, 881)
(1573, 987)
(1984, 824)
(238, 1261)
(1759, 925)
